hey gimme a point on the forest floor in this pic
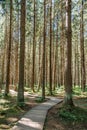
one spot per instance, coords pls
(55, 122)
(10, 113)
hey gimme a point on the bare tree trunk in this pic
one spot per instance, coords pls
(68, 73)
(16, 51)
(78, 68)
(40, 68)
(83, 74)
(34, 40)
(22, 53)
(50, 71)
(16, 66)
(4, 60)
(44, 51)
(75, 66)
(56, 60)
(62, 47)
(9, 52)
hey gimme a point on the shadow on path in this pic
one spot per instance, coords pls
(35, 118)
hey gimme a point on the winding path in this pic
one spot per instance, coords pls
(35, 118)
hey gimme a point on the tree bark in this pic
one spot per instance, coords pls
(34, 42)
(9, 52)
(44, 51)
(22, 53)
(83, 74)
(68, 72)
(50, 71)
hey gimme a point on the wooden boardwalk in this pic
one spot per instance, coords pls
(35, 118)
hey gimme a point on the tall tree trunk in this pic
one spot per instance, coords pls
(50, 71)
(9, 52)
(44, 51)
(78, 65)
(34, 40)
(16, 65)
(58, 66)
(62, 46)
(4, 61)
(75, 65)
(28, 64)
(16, 50)
(22, 53)
(83, 75)
(68, 75)
(39, 71)
(56, 59)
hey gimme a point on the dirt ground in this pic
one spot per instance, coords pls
(11, 115)
(55, 123)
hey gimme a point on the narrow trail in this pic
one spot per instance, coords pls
(35, 118)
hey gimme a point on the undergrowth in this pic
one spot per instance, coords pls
(40, 99)
(76, 114)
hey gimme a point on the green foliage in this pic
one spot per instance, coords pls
(1, 95)
(78, 92)
(10, 111)
(7, 96)
(26, 89)
(73, 114)
(21, 104)
(39, 99)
